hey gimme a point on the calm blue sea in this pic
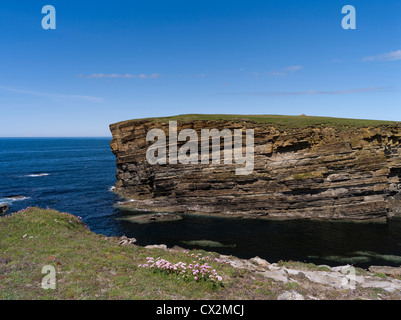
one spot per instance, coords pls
(72, 175)
(75, 175)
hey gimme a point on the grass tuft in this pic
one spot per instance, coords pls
(280, 121)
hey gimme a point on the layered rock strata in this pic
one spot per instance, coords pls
(313, 172)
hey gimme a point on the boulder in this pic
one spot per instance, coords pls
(388, 271)
(290, 295)
(4, 208)
(259, 261)
(126, 241)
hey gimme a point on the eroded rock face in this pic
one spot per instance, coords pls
(313, 172)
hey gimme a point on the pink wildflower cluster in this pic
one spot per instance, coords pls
(185, 271)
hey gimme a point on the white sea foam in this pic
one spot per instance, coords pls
(12, 199)
(37, 175)
(112, 188)
(125, 201)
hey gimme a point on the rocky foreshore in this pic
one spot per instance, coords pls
(318, 172)
(303, 281)
(94, 266)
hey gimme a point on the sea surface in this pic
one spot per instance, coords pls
(76, 175)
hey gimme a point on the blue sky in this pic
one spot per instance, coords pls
(119, 60)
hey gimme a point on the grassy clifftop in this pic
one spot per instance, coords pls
(282, 121)
(91, 266)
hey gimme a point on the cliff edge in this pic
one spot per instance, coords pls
(304, 167)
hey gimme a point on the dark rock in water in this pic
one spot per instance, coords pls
(15, 197)
(157, 217)
(208, 243)
(4, 208)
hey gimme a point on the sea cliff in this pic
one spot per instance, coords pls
(302, 169)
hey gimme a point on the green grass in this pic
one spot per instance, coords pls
(302, 266)
(91, 266)
(283, 121)
(307, 175)
(292, 286)
(380, 275)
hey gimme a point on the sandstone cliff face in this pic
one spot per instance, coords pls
(313, 172)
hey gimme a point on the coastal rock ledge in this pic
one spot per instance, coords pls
(318, 172)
